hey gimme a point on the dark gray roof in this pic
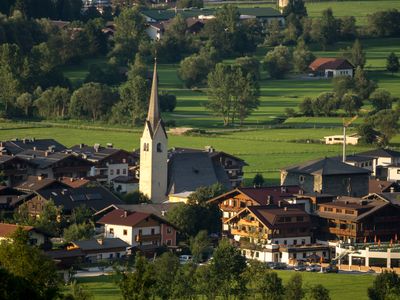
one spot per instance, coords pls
(380, 152)
(94, 153)
(326, 166)
(393, 198)
(107, 243)
(355, 158)
(189, 171)
(18, 145)
(45, 159)
(95, 198)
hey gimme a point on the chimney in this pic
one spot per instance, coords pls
(81, 146)
(279, 203)
(285, 208)
(40, 177)
(100, 241)
(392, 189)
(269, 198)
(96, 147)
(34, 148)
(46, 153)
(163, 212)
(125, 214)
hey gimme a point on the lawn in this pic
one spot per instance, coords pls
(341, 286)
(265, 150)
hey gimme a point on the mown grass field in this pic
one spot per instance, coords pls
(265, 150)
(341, 286)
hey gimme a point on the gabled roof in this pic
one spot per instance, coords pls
(94, 198)
(262, 195)
(326, 166)
(104, 244)
(393, 198)
(46, 159)
(188, 171)
(269, 215)
(381, 186)
(129, 218)
(6, 230)
(96, 153)
(75, 182)
(158, 209)
(36, 183)
(323, 63)
(355, 158)
(16, 146)
(381, 152)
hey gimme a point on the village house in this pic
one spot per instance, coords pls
(357, 220)
(327, 176)
(108, 162)
(383, 159)
(234, 201)
(275, 233)
(55, 165)
(143, 231)
(331, 67)
(382, 186)
(36, 237)
(14, 169)
(100, 249)
(37, 183)
(94, 198)
(9, 199)
(15, 146)
(338, 139)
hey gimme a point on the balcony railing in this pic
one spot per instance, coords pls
(148, 237)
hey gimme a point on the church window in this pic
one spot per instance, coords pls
(159, 147)
(146, 147)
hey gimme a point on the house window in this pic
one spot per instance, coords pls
(398, 171)
(294, 255)
(111, 230)
(111, 256)
(304, 254)
(125, 232)
(169, 242)
(169, 229)
(285, 242)
(257, 254)
(303, 241)
(294, 242)
(124, 171)
(159, 147)
(140, 231)
(111, 172)
(301, 179)
(299, 219)
(118, 171)
(152, 231)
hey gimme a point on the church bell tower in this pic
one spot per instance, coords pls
(154, 150)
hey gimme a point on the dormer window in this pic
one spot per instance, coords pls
(159, 147)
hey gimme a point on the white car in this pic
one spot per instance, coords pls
(184, 259)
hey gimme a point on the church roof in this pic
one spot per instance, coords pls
(154, 120)
(190, 170)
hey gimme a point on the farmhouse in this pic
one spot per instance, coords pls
(100, 249)
(338, 139)
(383, 160)
(142, 230)
(331, 67)
(36, 237)
(357, 220)
(327, 176)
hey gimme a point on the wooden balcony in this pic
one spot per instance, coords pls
(148, 237)
(345, 232)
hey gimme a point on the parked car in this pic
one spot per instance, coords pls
(313, 268)
(331, 269)
(277, 265)
(184, 259)
(299, 268)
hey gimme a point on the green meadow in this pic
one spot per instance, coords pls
(341, 286)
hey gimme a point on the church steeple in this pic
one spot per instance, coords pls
(153, 115)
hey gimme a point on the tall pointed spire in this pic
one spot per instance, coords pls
(153, 115)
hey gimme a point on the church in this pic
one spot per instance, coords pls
(171, 175)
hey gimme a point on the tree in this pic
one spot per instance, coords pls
(92, 101)
(348, 28)
(78, 293)
(302, 56)
(351, 103)
(342, 85)
(184, 285)
(30, 264)
(131, 32)
(15, 287)
(165, 270)
(363, 86)
(294, 288)
(278, 62)
(306, 107)
(25, 103)
(204, 193)
(274, 34)
(384, 23)
(189, 3)
(231, 94)
(200, 246)
(367, 133)
(392, 63)
(228, 265)
(296, 7)
(167, 102)
(137, 285)
(50, 219)
(326, 29)
(77, 232)
(258, 180)
(355, 54)
(206, 282)
(318, 292)
(386, 123)
(135, 197)
(385, 286)
(53, 102)
(263, 283)
(249, 65)
(325, 104)
(382, 99)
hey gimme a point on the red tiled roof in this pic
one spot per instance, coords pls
(8, 229)
(74, 182)
(123, 217)
(323, 63)
(275, 192)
